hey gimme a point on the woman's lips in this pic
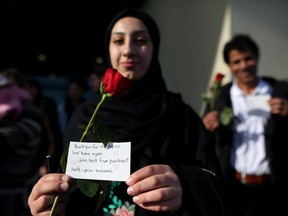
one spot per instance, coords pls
(129, 64)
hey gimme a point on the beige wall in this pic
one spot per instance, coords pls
(194, 31)
(267, 22)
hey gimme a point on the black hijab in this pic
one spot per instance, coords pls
(155, 120)
(153, 77)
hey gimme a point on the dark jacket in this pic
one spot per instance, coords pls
(23, 147)
(275, 132)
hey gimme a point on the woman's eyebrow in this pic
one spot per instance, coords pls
(134, 32)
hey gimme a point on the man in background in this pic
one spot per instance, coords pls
(251, 145)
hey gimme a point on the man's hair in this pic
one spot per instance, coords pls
(240, 42)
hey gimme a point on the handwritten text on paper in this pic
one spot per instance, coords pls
(89, 160)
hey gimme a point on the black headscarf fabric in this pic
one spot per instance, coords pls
(153, 75)
(161, 127)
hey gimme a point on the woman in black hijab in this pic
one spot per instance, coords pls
(171, 159)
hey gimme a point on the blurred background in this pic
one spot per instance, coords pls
(51, 40)
(61, 37)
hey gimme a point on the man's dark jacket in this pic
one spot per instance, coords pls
(276, 133)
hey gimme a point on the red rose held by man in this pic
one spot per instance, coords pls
(219, 77)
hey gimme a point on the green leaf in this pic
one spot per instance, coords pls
(115, 199)
(88, 187)
(119, 203)
(102, 134)
(205, 98)
(226, 116)
(111, 206)
(82, 126)
(101, 88)
(63, 160)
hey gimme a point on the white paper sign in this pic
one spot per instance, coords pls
(258, 102)
(89, 160)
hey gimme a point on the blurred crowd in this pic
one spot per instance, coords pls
(31, 127)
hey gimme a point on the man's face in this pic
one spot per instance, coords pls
(243, 64)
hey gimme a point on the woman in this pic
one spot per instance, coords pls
(167, 137)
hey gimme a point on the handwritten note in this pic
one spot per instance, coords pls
(89, 160)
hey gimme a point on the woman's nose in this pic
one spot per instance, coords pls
(129, 49)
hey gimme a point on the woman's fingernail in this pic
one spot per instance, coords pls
(65, 178)
(130, 190)
(129, 181)
(64, 186)
(135, 199)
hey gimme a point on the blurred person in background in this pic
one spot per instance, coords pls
(49, 110)
(23, 143)
(94, 80)
(76, 90)
(251, 145)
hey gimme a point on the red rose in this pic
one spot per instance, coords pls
(114, 84)
(215, 88)
(219, 77)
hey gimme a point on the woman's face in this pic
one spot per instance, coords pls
(130, 48)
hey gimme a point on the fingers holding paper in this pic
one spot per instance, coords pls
(44, 192)
(156, 188)
(279, 106)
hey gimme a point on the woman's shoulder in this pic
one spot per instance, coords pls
(174, 97)
(176, 101)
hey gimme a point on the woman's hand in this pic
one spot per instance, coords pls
(156, 188)
(211, 120)
(44, 192)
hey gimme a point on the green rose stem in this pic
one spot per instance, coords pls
(104, 97)
(215, 89)
(212, 108)
(212, 100)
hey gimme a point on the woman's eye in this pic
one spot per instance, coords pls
(142, 41)
(118, 41)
